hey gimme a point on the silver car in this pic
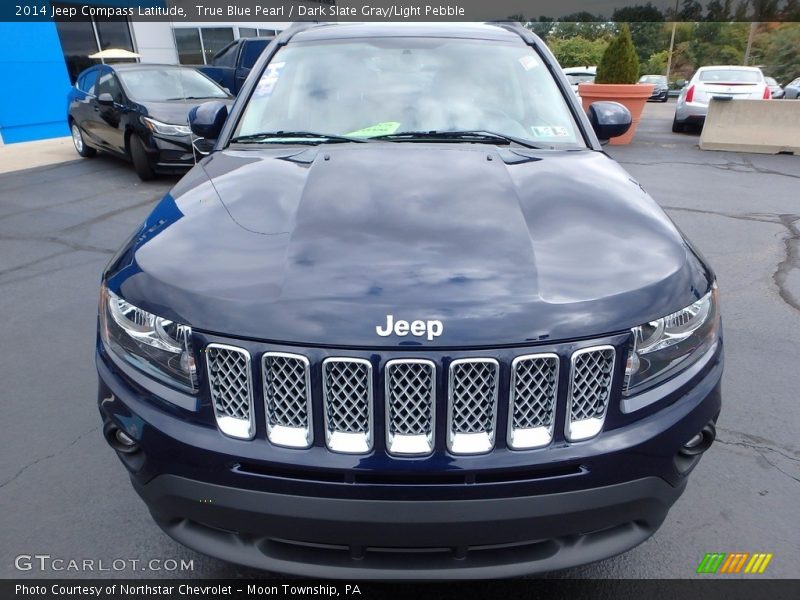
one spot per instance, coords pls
(724, 82)
(792, 90)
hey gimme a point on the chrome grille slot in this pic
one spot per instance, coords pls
(410, 386)
(532, 401)
(347, 391)
(589, 391)
(287, 399)
(231, 388)
(472, 405)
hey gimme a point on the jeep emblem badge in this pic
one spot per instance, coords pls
(431, 329)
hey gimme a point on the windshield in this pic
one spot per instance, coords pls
(165, 84)
(576, 78)
(387, 86)
(653, 79)
(730, 76)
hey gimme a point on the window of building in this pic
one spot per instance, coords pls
(190, 49)
(198, 45)
(79, 39)
(248, 32)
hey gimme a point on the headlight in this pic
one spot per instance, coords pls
(159, 347)
(165, 128)
(662, 347)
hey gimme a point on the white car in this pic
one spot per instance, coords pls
(723, 82)
(576, 75)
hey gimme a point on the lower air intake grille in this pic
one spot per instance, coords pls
(589, 391)
(472, 409)
(287, 394)
(410, 400)
(231, 389)
(532, 410)
(348, 404)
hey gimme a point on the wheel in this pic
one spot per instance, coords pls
(140, 161)
(77, 141)
(677, 126)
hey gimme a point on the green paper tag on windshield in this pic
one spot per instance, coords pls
(386, 128)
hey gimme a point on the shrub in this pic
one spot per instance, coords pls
(619, 64)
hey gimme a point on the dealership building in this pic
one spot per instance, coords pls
(44, 58)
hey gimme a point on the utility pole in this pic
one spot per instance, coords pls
(753, 27)
(672, 40)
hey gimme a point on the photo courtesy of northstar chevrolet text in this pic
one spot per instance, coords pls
(428, 295)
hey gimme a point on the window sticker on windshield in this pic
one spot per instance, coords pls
(385, 128)
(528, 62)
(550, 131)
(268, 79)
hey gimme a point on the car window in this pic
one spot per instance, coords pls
(86, 81)
(227, 56)
(653, 79)
(391, 85)
(576, 78)
(729, 76)
(770, 81)
(169, 83)
(251, 51)
(107, 83)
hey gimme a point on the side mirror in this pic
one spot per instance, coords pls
(207, 119)
(609, 119)
(105, 99)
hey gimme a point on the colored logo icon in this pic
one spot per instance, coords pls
(720, 563)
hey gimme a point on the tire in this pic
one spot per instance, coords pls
(78, 142)
(677, 126)
(140, 160)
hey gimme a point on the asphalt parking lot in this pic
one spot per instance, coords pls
(64, 494)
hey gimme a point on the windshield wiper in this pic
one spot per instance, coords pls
(483, 137)
(321, 138)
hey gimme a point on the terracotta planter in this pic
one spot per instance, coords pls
(633, 96)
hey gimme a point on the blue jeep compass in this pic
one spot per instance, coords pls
(408, 320)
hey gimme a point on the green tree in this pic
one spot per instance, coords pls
(776, 51)
(578, 51)
(656, 64)
(619, 64)
(647, 28)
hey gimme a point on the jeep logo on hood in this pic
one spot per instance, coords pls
(431, 329)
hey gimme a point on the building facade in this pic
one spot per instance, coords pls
(44, 58)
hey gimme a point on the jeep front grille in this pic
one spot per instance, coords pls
(231, 388)
(472, 405)
(589, 391)
(287, 399)
(410, 392)
(532, 401)
(347, 400)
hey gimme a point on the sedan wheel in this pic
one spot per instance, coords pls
(80, 146)
(140, 160)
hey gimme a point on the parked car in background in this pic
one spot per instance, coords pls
(724, 82)
(139, 111)
(231, 65)
(774, 87)
(792, 90)
(661, 89)
(577, 75)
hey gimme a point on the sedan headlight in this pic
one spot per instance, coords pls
(667, 345)
(159, 347)
(166, 128)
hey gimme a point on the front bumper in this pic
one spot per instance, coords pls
(312, 512)
(660, 95)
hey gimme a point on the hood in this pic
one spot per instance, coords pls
(318, 246)
(175, 112)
